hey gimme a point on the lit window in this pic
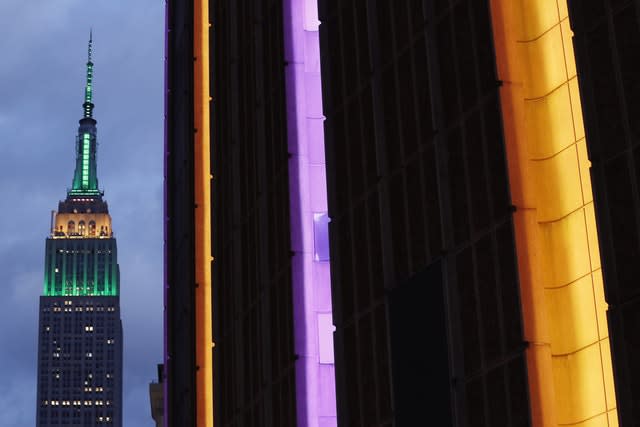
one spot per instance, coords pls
(71, 227)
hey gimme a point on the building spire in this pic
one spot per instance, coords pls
(85, 179)
(88, 90)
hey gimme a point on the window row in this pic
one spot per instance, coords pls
(83, 229)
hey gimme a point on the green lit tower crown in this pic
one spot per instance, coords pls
(81, 256)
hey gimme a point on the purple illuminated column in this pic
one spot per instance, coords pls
(165, 230)
(315, 375)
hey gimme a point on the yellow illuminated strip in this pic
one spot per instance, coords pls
(569, 360)
(202, 184)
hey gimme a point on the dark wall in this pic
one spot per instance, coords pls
(422, 246)
(179, 218)
(607, 47)
(254, 382)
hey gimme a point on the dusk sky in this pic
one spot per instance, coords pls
(43, 48)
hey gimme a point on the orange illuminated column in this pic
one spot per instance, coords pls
(569, 361)
(202, 187)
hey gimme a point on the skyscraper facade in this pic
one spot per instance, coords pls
(270, 272)
(275, 313)
(456, 128)
(482, 203)
(424, 270)
(80, 331)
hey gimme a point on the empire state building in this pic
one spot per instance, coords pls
(80, 331)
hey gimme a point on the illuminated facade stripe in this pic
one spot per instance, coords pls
(202, 194)
(86, 142)
(315, 372)
(81, 267)
(88, 90)
(85, 181)
(569, 360)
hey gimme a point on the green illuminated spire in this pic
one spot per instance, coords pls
(81, 254)
(88, 90)
(85, 178)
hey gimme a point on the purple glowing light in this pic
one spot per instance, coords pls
(315, 375)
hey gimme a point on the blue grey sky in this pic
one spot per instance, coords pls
(43, 48)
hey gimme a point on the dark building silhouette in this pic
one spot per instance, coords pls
(156, 398)
(254, 378)
(179, 228)
(80, 331)
(421, 223)
(188, 343)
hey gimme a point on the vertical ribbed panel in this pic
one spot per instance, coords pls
(560, 274)
(179, 250)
